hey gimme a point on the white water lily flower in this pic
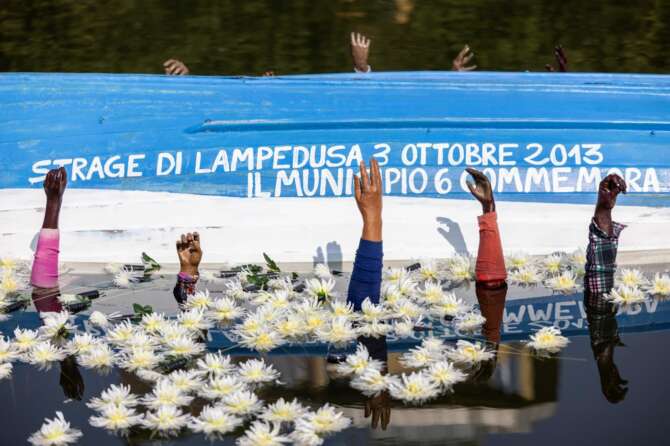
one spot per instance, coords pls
(548, 339)
(171, 330)
(56, 324)
(403, 328)
(101, 357)
(552, 264)
(342, 308)
(460, 268)
(449, 306)
(432, 293)
(374, 329)
(429, 271)
(153, 322)
(243, 402)
(55, 432)
(660, 286)
(395, 275)
(139, 358)
(625, 296)
(200, 300)
(445, 374)
(8, 352)
(214, 364)
(469, 353)
(356, 363)
(434, 345)
(167, 420)
(8, 264)
(290, 327)
(469, 321)
(235, 289)
(123, 278)
(262, 433)
(322, 271)
(631, 278)
(115, 395)
(418, 357)
(116, 418)
(577, 259)
(66, 299)
(263, 340)
(6, 370)
(194, 320)
(256, 371)
(25, 339)
(183, 347)
(371, 382)
(99, 319)
(406, 309)
(326, 420)
(415, 388)
(283, 411)
(121, 333)
(372, 312)
(517, 260)
(225, 310)
(281, 284)
(338, 331)
(321, 289)
(526, 275)
(43, 354)
(165, 393)
(185, 380)
(214, 422)
(221, 386)
(141, 340)
(564, 282)
(390, 293)
(406, 287)
(82, 343)
(12, 283)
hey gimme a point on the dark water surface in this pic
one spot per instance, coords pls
(526, 400)
(311, 36)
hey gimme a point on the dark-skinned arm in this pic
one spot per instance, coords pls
(190, 255)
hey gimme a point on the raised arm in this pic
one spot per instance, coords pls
(44, 274)
(190, 254)
(366, 277)
(360, 47)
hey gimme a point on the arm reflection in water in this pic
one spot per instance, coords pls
(490, 272)
(366, 277)
(598, 282)
(44, 273)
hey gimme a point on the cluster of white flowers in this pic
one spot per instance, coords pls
(632, 287)
(560, 272)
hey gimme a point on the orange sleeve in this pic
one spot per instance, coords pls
(490, 261)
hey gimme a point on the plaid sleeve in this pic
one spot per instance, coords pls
(600, 266)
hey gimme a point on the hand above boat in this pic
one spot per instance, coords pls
(608, 190)
(190, 253)
(174, 67)
(54, 188)
(368, 193)
(561, 60)
(481, 189)
(463, 58)
(360, 47)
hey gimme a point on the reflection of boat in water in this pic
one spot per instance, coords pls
(258, 156)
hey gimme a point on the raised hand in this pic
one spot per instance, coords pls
(54, 187)
(379, 408)
(174, 67)
(561, 60)
(190, 253)
(481, 190)
(608, 190)
(360, 46)
(462, 59)
(368, 193)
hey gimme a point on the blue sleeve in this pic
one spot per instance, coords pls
(366, 278)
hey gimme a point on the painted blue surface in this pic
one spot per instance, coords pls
(574, 126)
(521, 318)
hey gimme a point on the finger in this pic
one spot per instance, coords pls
(179, 245)
(189, 238)
(468, 58)
(475, 173)
(375, 418)
(357, 188)
(470, 68)
(168, 62)
(366, 412)
(174, 69)
(472, 187)
(463, 52)
(548, 67)
(365, 180)
(367, 43)
(353, 39)
(386, 417)
(376, 179)
(183, 239)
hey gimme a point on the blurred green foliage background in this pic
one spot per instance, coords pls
(311, 36)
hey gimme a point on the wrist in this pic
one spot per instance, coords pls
(190, 270)
(488, 206)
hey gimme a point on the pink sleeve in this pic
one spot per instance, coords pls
(45, 266)
(490, 261)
